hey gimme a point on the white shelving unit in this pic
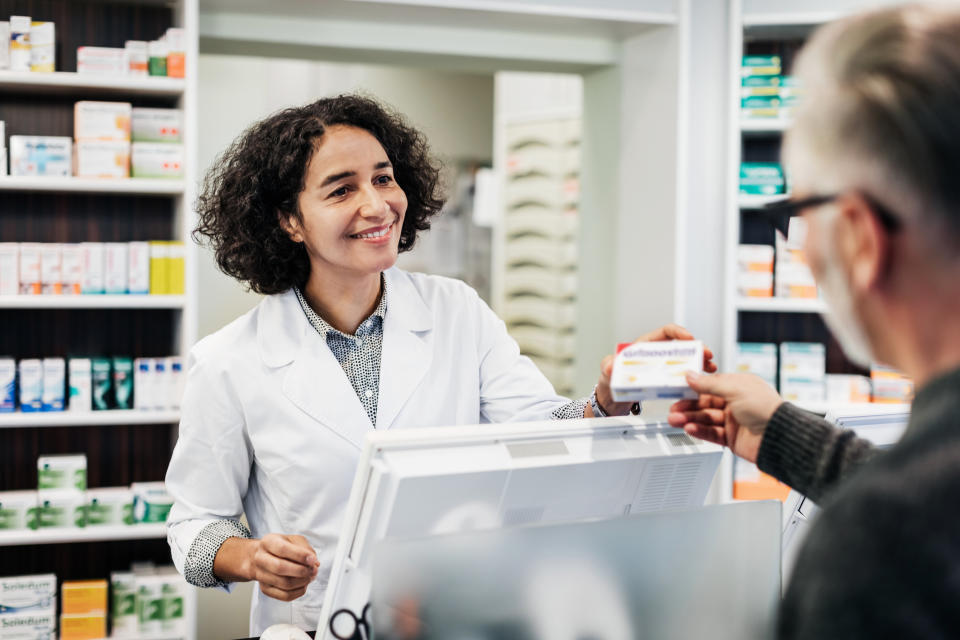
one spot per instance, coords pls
(86, 418)
(93, 302)
(762, 20)
(61, 82)
(781, 305)
(61, 88)
(104, 533)
(130, 186)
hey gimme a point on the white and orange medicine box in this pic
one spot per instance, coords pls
(652, 370)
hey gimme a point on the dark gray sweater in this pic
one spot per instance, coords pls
(882, 560)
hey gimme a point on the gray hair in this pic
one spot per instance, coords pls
(881, 113)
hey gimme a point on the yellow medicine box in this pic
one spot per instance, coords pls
(84, 597)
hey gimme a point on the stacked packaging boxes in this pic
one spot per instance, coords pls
(63, 501)
(90, 384)
(116, 268)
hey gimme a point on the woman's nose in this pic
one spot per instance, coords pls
(373, 205)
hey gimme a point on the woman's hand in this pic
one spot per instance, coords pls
(284, 565)
(668, 332)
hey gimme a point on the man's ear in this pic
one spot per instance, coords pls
(291, 225)
(864, 243)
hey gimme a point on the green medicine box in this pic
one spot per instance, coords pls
(762, 178)
(760, 66)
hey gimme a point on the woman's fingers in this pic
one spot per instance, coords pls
(282, 594)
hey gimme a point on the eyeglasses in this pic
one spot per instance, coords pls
(779, 213)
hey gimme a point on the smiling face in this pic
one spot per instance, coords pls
(351, 207)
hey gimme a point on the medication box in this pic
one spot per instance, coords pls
(51, 268)
(83, 596)
(42, 50)
(19, 51)
(31, 625)
(83, 626)
(103, 159)
(101, 60)
(41, 156)
(157, 125)
(151, 502)
(760, 107)
(651, 370)
(102, 384)
(153, 160)
(30, 282)
(61, 508)
(18, 510)
(72, 257)
(802, 372)
(109, 506)
(93, 265)
(115, 275)
(9, 268)
(62, 472)
(122, 383)
(759, 359)
(123, 601)
(21, 594)
(847, 389)
(8, 385)
(138, 280)
(54, 383)
(101, 121)
(30, 373)
(136, 57)
(890, 386)
(762, 178)
(5, 51)
(760, 66)
(81, 385)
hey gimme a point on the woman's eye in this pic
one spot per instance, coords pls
(384, 180)
(339, 193)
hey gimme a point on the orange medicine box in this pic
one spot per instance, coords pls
(84, 597)
(83, 626)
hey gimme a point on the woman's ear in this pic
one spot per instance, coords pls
(291, 225)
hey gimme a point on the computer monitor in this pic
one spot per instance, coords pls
(880, 424)
(414, 483)
(709, 572)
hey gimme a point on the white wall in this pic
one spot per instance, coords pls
(454, 110)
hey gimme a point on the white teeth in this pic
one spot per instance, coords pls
(375, 234)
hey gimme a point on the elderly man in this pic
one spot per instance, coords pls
(874, 157)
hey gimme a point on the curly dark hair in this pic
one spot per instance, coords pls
(262, 174)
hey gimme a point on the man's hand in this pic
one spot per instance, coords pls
(668, 332)
(733, 410)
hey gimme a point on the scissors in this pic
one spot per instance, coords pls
(345, 625)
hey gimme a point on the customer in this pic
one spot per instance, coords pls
(874, 157)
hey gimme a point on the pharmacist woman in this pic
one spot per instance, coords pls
(311, 207)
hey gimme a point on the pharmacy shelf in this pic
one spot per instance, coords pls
(131, 301)
(764, 125)
(86, 418)
(758, 202)
(131, 186)
(782, 305)
(825, 407)
(72, 83)
(86, 534)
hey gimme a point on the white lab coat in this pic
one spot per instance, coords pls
(271, 426)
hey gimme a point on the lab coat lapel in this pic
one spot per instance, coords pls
(314, 381)
(407, 346)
